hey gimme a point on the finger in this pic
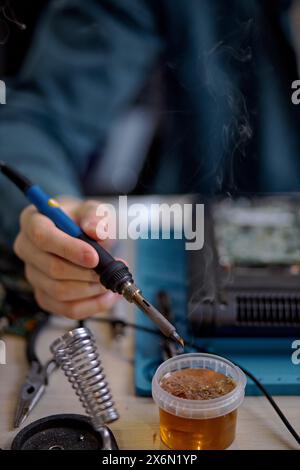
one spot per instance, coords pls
(47, 237)
(87, 218)
(76, 310)
(97, 225)
(62, 291)
(51, 265)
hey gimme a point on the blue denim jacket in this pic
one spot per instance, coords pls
(227, 70)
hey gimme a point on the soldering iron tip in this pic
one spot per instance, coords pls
(175, 336)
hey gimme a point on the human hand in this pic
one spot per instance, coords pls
(60, 267)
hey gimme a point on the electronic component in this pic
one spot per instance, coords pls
(245, 281)
(19, 312)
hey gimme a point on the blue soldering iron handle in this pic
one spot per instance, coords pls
(113, 273)
(51, 208)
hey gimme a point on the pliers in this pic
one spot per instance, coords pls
(37, 377)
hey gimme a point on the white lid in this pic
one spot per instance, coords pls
(199, 409)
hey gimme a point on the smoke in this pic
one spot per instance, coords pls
(7, 16)
(225, 68)
(224, 65)
(203, 279)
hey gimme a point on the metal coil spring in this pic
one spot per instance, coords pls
(77, 355)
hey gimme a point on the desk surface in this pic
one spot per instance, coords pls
(138, 428)
(258, 425)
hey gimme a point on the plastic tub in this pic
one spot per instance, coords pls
(198, 424)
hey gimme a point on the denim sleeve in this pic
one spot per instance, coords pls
(88, 61)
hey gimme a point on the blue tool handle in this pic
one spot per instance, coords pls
(113, 273)
(50, 208)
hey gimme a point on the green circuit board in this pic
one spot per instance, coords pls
(257, 232)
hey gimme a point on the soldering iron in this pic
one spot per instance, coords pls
(113, 274)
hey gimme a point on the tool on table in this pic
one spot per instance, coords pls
(170, 349)
(37, 378)
(62, 432)
(77, 355)
(114, 274)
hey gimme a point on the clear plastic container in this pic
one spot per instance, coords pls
(198, 424)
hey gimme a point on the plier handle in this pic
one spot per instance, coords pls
(37, 377)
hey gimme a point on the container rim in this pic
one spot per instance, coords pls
(217, 406)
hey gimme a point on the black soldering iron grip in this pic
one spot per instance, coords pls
(104, 256)
(113, 273)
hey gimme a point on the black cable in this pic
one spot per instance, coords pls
(272, 403)
(263, 390)
(125, 324)
(198, 349)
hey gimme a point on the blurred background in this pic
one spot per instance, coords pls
(258, 125)
(257, 128)
(135, 138)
